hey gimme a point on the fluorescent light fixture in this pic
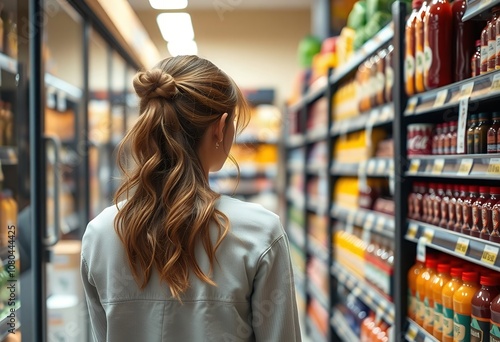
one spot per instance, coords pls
(168, 4)
(175, 26)
(182, 47)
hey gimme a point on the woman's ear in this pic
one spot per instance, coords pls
(219, 127)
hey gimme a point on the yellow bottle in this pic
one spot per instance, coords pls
(440, 279)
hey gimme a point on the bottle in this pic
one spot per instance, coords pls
(429, 300)
(484, 49)
(481, 312)
(462, 306)
(475, 62)
(449, 290)
(442, 139)
(412, 288)
(471, 123)
(477, 206)
(419, 48)
(486, 212)
(492, 142)
(497, 33)
(436, 205)
(459, 209)
(452, 207)
(422, 279)
(411, 200)
(389, 73)
(382, 54)
(367, 326)
(418, 204)
(451, 138)
(2, 47)
(410, 32)
(440, 279)
(437, 44)
(430, 202)
(495, 223)
(492, 39)
(463, 42)
(435, 139)
(467, 209)
(481, 134)
(445, 204)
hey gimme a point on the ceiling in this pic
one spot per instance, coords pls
(232, 4)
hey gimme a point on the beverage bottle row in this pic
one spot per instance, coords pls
(454, 300)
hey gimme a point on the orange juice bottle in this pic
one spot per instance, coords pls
(412, 288)
(462, 306)
(422, 279)
(448, 290)
(429, 299)
(440, 279)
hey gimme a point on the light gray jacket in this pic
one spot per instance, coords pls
(254, 299)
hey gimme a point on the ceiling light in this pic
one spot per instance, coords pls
(175, 26)
(168, 4)
(180, 47)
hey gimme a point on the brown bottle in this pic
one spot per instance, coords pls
(451, 138)
(484, 49)
(467, 209)
(459, 209)
(492, 143)
(471, 124)
(463, 41)
(435, 139)
(445, 204)
(438, 198)
(495, 223)
(452, 208)
(382, 54)
(481, 134)
(477, 223)
(418, 206)
(486, 217)
(411, 200)
(389, 73)
(492, 39)
(442, 139)
(475, 62)
(430, 202)
(481, 307)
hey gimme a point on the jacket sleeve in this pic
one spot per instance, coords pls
(97, 314)
(274, 305)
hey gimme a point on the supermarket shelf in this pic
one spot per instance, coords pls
(296, 197)
(374, 167)
(375, 117)
(368, 219)
(63, 86)
(339, 323)
(317, 249)
(479, 8)
(481, 89)
(317, 205)
(317, 134)
(418, 334)
(481, 252)
(315, 334)
(367, 50)
(472, 166)
(296, 235)
(316, 90)
(296, 140)
(295, 167)
(8, 64)
(318, 294)
(367, 293)
(8, 155)
(4, 328)
(316, 169)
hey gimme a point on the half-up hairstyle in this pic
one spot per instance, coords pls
(169, 206)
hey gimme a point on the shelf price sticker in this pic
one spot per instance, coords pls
(411, 334)
(462, 246)
(380, 224)
(412, 231)
(466, 90)
(372, 166)
(411, 106)
(349, 224)
(414, 166)
(421, 244)
(463, 109)
(370, 219)
(438, 166)
(490, 254)
(441, 97)
(429, 234)
(381, 167)
(495, 83)
(494, 166)
(465, 166)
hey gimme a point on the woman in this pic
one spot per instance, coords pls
(172, 260)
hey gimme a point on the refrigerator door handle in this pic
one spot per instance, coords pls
(53, 233)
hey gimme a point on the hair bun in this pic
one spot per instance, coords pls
(155, 83)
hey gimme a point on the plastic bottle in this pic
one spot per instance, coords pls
(435, 139)
(484, 49)
(430, 201)
(463, 42)
(410, 31)
(442, 138)
(422, 279)
(477, 206)
(367, 326)
(438, 198)
(486, 212)
(459, 208)
(413, 273)
(462, 306)
(471, 124)
(419, 48)
(475, 62)
(481, 134)
(439, 280)
(447, 297)
(445, 203)
(492, 39)
(412, 199)
(438, 44)
(452, 208)
(495, 319)
(467, 209)
(481, 302)
(492, 140)
(419, 201)
(495, 223)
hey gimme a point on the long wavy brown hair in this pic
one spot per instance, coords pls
(169, 206)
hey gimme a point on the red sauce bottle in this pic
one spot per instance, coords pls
(459, 211)
(410, 48)
(418, 204)
(467, 209)
(412, 200)
(427, 202)
(477, 223)
(438, 44)
(463, 42)
(475, 62)
(445, 203)
(436, 205)
(486, 212)
(419, 47)
(481, 307)
(452, 208)
(495, 223)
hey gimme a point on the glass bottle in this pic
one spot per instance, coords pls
(492, 141)
(452, 208)
(477, 205)
(459, 209)
(451, 138)
(467, 209)
(442, 139)
(436, 205)
(492, 39)
(495, 223)
(435, 139)
(484, 49)
(418, 204)
(476, 60)
(471, 123)
(463, 42)
(481, 133)
(445, 203)
(429, 202)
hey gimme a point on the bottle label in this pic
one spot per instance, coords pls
(475, 216)
(412, 304)
(429, 314)
(419, 62)
(438, 317)
(427, 58)
(484, 57)
(389, 77)
(467, 213)
(485, 216)
(447, 322)
(461, 327)
(494, 218)
(491, 147)
(409, 67)
(494, 332)
(497, 49)
(479, 329)
(420, 308)
(491, 53)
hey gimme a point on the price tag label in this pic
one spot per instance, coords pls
(411, 233)
(411, 106)
(349, 225)
(465, 166)
(494, 166)
(411, 334)
(366, 236)
(462, 246)
(495, 83)
(466, 90)
(380, 224)
(422, 242)
(463, 108)
(429, 234)
(381, 167)
(414, 166)
(386, 113)
(490, 254)
(370, 219)
(438, 166)
(441, 98)
(372, 166)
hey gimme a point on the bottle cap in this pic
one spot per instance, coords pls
(444, 268)
(470, 276)
(431, 263)
(456, 272)
(484, 189)
(495, 190)
(490, 280)
(484, 115)
(473, 116)
(473, 188)
(416, 4)
(463, 188)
